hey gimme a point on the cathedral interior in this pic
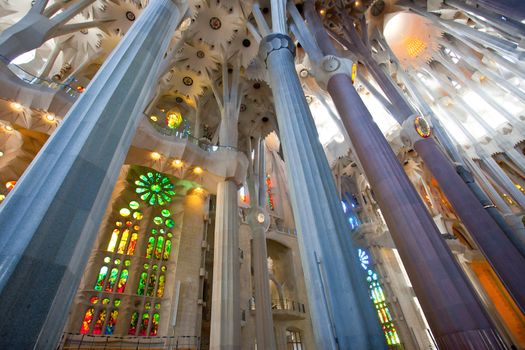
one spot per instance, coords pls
(262, 174)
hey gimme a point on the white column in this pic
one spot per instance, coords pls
(50, 219)
(335, 287)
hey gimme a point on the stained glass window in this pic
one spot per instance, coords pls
(113, 241)
(101, 277)
(97, 329)
(123, 241)
(160, 244)
(133, 323)
(112, 321)
(167, 250)
(378, 298)
(151, 284)
(144, 324)
(132, 244)
(154, 324)
(112, 279)
(122, 281)
(149, 248)
(88, 318)
(154, 188)
(160, 287)
(142, 283)
(269, 192)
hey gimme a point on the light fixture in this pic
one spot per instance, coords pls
(50, 117)
(1, 154)
(153, 118)
(155, 155)
(198, 170)
(16, 106)
(177, 163)
(2, 197)
(10, 185)
(8, 127)
(322, 12)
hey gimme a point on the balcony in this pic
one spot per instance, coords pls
(284, 309)
(76, 341)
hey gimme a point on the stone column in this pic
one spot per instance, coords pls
(259, 222)
(336, 291)
(50, 220)
(455, 314)
(225, 309)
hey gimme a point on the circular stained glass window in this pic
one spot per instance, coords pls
(154, 188)
(93, 300)
(107, 259)
(154, 231)
(169, 223)
(174, 118)
(129, 223)
(157, 220)
(125, 212)
(127, 262)
(163, 268)
(165, 212)
(134, 205)
(154, 267)
(146, 266)
(169, 235)
(422, 127)
(117, 302)
(117, 261)
(105, 301)
(136, 227)
(147, 306)
(137, 215)
(157, 306)
(118, 223)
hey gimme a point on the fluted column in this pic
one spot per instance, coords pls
(455, 314)
(49, 221)
(259, 222)
(225, 308)
(336, 291)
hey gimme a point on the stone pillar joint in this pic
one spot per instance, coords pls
(415, 128)
(331, 65)
(275, 42)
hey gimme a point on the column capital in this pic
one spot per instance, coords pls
(415, 128)
(275, 42)
(331, 65)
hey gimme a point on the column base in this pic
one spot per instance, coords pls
(478, 339)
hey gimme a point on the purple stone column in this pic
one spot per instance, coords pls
(456, 316)
(499, 250)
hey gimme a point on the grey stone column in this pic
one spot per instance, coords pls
(225, 309)
(50, 220)
(259, 222)
(456, 316)
(338, 297)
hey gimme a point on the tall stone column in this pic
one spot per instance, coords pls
(259, 222)
(225, 309)
(456, 316)
(338, 297)
(50, 220)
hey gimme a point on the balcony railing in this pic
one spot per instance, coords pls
(284, 304)
(185, 136)
(77, 341)
(34, 80)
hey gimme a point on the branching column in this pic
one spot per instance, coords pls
(225, 308)
(49, 221)
(335, 290)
